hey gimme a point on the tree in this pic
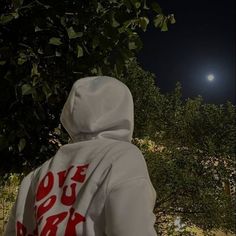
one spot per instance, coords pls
(44, 47)
(146, 97)
(189, 147)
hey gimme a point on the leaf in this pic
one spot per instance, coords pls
(4, 19)
(63, 21)
(164, 26)
(145, 7)
(21, 144)
(34, 70)
(22, 58)
(2, 63)
(37, 29)
(26, 89)
(132, 45)
(171, 18)
(40, 51)
(94, 71)
(99, 70)
(58, 54)
(17, 3)
(55, 41)
(80, 51)
(47, 90)
(36, 80)
(158, 20)
(100, 8)
(143, 21)
(95, 42)
(136, 3)
(114, 22)
(156, 7)
(72, 34)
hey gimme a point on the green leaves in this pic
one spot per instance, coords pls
(34, 70)
(26, 89)
(171, 18)
(47, 90)
(186, 143)
(136, 3)
(17, 3)
(55, 41)
(156, 7)
(21, 144)
(72, 34)
(114, 22)
(2, 63)
(55, 45)
(22, 58)
(161, 21)
(143, 21)
(4, 19)
(132, 45)
(80, 51)
(158, 20)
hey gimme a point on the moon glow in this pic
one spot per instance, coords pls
(210, 77)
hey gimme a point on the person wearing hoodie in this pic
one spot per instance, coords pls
(98, 185)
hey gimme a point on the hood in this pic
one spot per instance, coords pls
(98, 107)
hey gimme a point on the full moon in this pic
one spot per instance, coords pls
(210, 77)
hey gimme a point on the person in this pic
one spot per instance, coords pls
(97, 185)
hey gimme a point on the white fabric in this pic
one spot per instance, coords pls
(99, 184)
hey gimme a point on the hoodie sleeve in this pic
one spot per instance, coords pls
(129, 209)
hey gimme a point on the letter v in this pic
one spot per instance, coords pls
(62, 176)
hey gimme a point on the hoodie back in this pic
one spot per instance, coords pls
(98, 185)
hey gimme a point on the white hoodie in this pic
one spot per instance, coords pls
(99, 184)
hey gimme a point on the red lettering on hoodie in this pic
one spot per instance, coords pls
(63, 175)
(45, 206)
(52, 222)
(66, 194)
(45, 186)
(80, 173)
(74, 219)
(20, 229)
(69, 200)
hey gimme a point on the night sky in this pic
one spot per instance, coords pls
(201, 43)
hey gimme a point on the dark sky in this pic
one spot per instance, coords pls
(202, 42)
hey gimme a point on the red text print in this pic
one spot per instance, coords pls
(67, 183)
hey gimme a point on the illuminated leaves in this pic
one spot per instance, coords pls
(162, 21)
(55, 41)
(80, 51)
(72, 34)
(26, 89)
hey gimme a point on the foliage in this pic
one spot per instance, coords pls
(44, 47)
(190, 150)
(8, 190)
(146, 95)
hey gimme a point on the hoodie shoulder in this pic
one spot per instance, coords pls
(128, 163)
